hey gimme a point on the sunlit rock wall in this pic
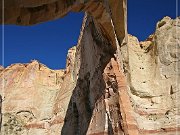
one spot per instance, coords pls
(152, 68)
(82, 99)
(132, 91)
(28, 93)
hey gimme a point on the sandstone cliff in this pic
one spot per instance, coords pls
(28, 92)
(135, 91)
(152, 68)
(110, 86)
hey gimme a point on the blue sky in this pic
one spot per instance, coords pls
(49, 42)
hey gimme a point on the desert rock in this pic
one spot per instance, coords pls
(113, 84)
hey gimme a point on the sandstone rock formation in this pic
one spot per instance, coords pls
(110, 15)
(73, 101)
(28, 93)
(94, 95)
(110, 86)
(152, 69)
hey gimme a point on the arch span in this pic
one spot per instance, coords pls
(110, 14)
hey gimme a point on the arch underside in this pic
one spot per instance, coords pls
(110, 14)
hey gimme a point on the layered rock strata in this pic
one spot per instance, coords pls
(94, 95)
(108, 87)
(76, 97)
(152, 68)
(28, 93)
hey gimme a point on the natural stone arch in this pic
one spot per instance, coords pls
(110, 14)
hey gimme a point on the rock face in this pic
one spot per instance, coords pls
(83, 99)
(29, 92)
(110, 86)
(98, 93)
(152, 69)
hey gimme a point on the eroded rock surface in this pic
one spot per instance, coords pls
(152, 69)
(28, 92)
(65, 101)
(110, 15)
(132, 91)
(93, 95)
